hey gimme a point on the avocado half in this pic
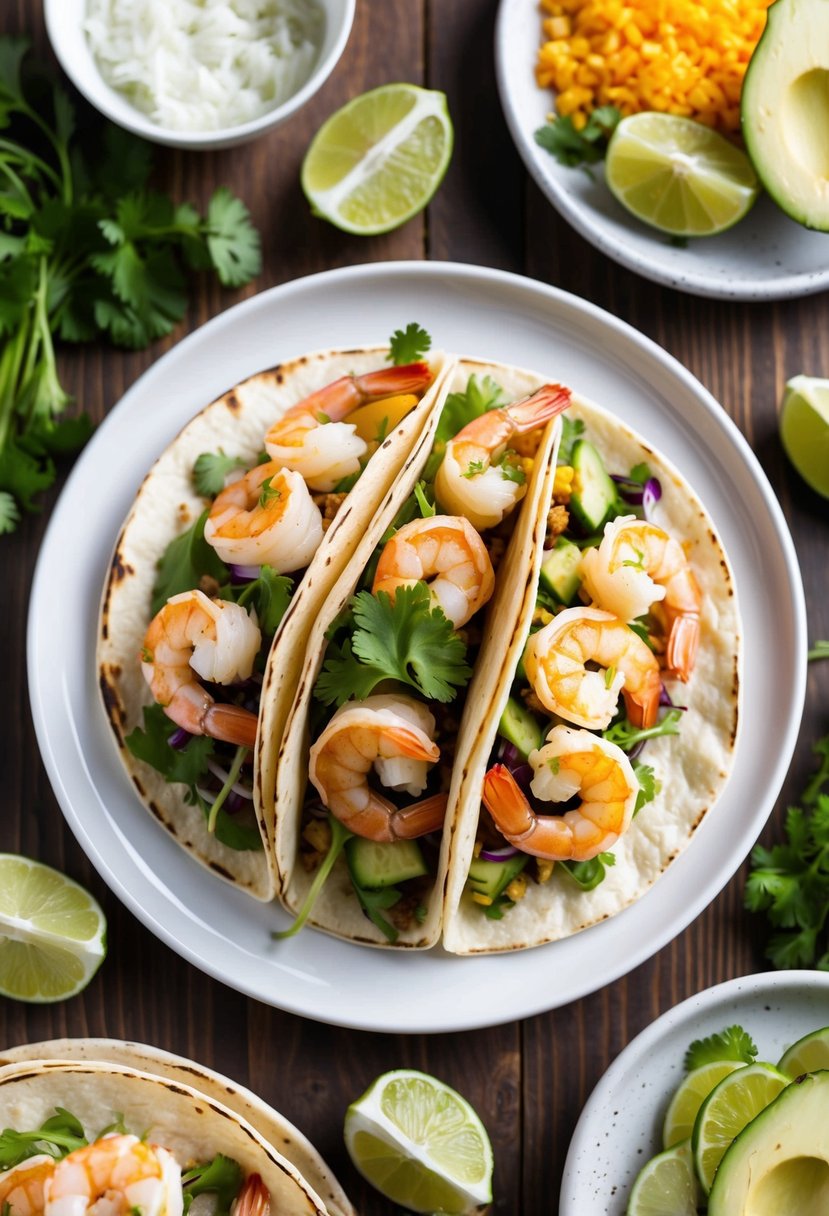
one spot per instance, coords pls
(779, 1164)
(785, 109)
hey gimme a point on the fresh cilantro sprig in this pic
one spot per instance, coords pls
(575, 148)
(649, 785)
(211, 469)
(733, 1043)
(588, 874)
(86, 252)
(185, 561)
(409, 344)
(221, 1177)
(269, 595)
(790, 882)
(60, 1134)
(626, 736)
(405, 639)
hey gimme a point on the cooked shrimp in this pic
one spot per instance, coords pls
(115, 1176)
(194, 636)
(470, 480)
(21, 1187)
(447, 554)
(571, 762)
(393, 735)
(254, 1199)
(638, 564)
(266, 516)
(311, 437)
(556, 661)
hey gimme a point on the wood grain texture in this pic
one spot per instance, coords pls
(528, 1080)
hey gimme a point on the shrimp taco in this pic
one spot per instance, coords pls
(237, 535)
(373, 752)
(613, 709)
(271, 1126)
(87, 1137)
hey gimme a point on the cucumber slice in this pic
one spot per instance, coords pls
(520, 727)
(491, 878)
(374, 865)
(560, 572)
(594, 493)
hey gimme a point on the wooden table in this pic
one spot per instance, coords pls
(528, 1080)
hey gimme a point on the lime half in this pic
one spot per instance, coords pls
(420, 1143)
(804, 429)
(809, 1054)
(729, 1108)
(685, 1104)
(678, 175)
(52, 932)
(376, 162)
(666, 1186)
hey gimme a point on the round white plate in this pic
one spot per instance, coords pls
(621, 1126)
(477, 312)
(765, 257)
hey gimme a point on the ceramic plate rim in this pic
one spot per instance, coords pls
(441, 1018)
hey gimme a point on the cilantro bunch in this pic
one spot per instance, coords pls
(86, 253)
(790, 881)
(574, 148)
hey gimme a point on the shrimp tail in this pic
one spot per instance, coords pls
(254, 1198)
(537, 409)
(544, 836)
(683, 641)
(230, 723)
(338, 399)
(420, 818)
(642, 707)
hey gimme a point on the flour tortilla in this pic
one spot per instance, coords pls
(166, 506)
(193, 1126)
(693, 766)
(288, 1141)
(337, 910)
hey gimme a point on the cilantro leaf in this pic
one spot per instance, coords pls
(649, 786)
(187, 765)
(60, 1134)
(407, 640)
(409, 344)
(221, 1177)
(571, 430)
(232, 240)
(270, 595)
(733, 1043)
(184, 562)
(211, 469)
(640, 473)
(575, 148)
(626, 736)
(588, 874)
(9, 514)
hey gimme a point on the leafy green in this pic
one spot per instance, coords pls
(626, 736)
(405, 639)
(211, 469)
(733, 1043)
(571, 430)
(409, 344)
(270, 595)
(459, 409)
(59, 1135)
(649, 786)
(374, 903)
(820, 650)
(221, 1177)
(86, 252)
(790, 882)
(640, 473)
(575, 148)
(588, 874)
(184, 562)
(427, 508)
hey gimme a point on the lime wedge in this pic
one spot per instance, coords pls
(420, 1143)
(666, 1186)
(809, 1054)
(804, 429)
(678, 175)
(52, 932)
(685, 1104)
(729, 1108)
(376, 162)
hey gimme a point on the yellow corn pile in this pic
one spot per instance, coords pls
(679, 56)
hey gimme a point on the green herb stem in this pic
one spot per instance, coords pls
(339, 837)
(820, 650)
(232, 777)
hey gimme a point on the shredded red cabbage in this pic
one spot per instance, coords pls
(179, 738)
(507, 753)
(651, 495)
(243, 574)
(498, 854)
(630, 491)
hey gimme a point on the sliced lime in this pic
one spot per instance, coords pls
(666, 1186)
(685, 1104)
(678, 175)
(729, 1108)
(377, 161)
(804, 429)
(52, 932)
(809, 1054)
(420, 1143)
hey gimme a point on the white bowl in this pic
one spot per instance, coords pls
(65, 27)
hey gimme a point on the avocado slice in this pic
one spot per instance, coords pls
(785, 109)
(779, 1163)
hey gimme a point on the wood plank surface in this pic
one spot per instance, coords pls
(528, 1080)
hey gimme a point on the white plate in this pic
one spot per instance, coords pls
(765, 257)
(621, 1125)
(478, 312)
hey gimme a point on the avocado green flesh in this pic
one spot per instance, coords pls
(785, 109)
(780, 1162)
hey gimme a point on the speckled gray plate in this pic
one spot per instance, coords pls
(765, 257)
(621, 1125)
